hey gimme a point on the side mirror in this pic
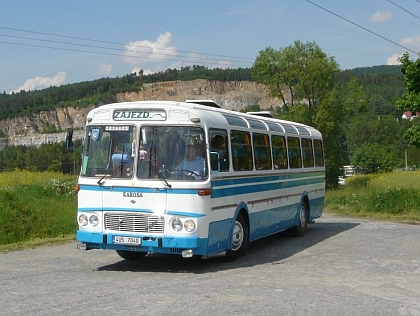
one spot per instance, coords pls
(69, 138)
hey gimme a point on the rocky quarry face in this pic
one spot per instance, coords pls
(33, 130)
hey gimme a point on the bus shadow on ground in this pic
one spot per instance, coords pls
(272, 249)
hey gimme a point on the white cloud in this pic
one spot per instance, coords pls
(142, 52)
(411, 41)
(223, 64)
(380, 16)
(42, 82)
(104, 70)
(145, 71)
(393, 60)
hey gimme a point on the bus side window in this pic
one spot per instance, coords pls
(262, 151)
(318, 153)
(279, 151)
(219, 157)
(307, 153)
(241, 150)
(295, 160)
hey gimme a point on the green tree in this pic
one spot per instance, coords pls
(374, 158)
(410, 100)
(303, 69)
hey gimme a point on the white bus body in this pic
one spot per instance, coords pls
(259, 176)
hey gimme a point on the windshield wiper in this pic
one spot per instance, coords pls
(103, 177)
(160, 175)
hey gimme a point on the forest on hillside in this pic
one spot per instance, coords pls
(374, 131)
(103, 91)
(384, 84)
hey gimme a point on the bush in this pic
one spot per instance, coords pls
(36, 205)
(388, 196)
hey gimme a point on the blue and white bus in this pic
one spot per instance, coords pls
(248, 177)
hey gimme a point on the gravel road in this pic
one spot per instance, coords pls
(341, 267)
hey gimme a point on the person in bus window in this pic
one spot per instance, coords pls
(218, 145)
(192, 164)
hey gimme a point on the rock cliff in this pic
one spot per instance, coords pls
(33, 130)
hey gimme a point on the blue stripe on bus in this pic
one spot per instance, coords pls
(231, 187)
(138, 190)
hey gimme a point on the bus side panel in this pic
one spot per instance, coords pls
(258, 224)
(219, 236)
(316, 207)
(280, 219)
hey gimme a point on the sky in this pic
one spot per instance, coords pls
(55, 42)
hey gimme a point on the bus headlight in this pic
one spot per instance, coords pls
(94, 220)
(176, 224)
(83, 220)
(189, 225)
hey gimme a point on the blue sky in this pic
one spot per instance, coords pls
(55, 42)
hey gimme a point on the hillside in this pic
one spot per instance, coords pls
(37, 117)
(39, 128)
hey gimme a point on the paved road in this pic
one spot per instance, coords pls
(341, 267)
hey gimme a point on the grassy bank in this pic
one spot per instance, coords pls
(389, 196)
(36, 208)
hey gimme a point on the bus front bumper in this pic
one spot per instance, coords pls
(164, 244)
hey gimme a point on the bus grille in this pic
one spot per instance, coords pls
(135, 223)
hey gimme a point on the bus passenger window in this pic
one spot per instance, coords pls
(307, 153)
(241, 150)
(295, 160)
(219, 158)
(279, 151)
(262, 151)
(318, 153)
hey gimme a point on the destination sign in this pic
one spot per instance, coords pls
(139, 115)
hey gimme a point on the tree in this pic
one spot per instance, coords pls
(303, 69)
(410, 100)
(374, 158)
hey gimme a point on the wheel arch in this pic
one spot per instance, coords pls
(242, 209)
(304, 199)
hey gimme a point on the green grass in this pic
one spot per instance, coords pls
(36, 207)
(388, 196)
(39, 208)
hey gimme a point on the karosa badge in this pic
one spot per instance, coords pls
(132, 194)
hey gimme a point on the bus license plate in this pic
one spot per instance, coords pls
(124, 240)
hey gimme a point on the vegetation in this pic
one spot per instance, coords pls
(386, 196)
(410, 100)
(306, 71)
(103, 90)
(47, 157)
(354, 109)
(36, 206)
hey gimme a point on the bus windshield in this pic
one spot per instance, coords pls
(157, 152)
(109, 151)
(175, 152)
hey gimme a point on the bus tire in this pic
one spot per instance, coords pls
(239, 239)
(131, 255)
(303, 216)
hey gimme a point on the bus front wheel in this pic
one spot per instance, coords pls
(131, 255)
(239, 239)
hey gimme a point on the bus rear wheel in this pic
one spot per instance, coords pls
(300, 230)
(239, 239)
(131, 255)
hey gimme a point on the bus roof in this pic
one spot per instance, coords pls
(211, 114)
